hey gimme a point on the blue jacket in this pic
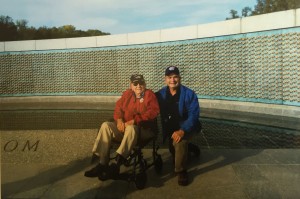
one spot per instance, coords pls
(189, 109)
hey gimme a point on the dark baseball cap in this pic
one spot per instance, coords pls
(172, 70)
(137, 78)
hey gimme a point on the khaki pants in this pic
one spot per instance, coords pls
(181, 155)
(109, 132)
(180, 152)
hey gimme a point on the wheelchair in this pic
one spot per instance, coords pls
(136, 163)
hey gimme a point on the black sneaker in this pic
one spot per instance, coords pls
(120, 160)
(114, 171)
(96, 171)
(183, 179)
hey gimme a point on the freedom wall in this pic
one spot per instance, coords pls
(247, 64)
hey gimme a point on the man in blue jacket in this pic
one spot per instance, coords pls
(179, 109)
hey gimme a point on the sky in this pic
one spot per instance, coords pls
(121, 16)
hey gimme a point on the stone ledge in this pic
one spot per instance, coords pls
(251, 107)
(108, 102)
(58, 102)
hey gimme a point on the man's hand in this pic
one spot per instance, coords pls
(177, 135)
(130, 122)
(120, 125)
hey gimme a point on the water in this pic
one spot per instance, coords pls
(221, 129)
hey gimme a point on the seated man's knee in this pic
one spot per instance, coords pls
(131, 129)
(105, 125)
(180, 145)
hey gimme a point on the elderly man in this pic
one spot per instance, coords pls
(136, 109)
(179, 110)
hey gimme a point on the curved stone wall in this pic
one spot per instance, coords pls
(250, 65)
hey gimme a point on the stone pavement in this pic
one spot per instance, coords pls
(218, 173)
(44, 154)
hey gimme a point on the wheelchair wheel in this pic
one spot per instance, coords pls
(141, 180)
(158, 163)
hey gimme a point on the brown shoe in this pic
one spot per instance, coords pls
(183, 179)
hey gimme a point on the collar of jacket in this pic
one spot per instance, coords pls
(142, 95)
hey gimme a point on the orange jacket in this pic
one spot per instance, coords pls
(128, 107)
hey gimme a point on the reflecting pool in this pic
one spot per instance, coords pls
(221, 129)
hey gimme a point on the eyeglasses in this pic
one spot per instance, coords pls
(140, 83)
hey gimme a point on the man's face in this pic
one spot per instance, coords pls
(138, 87)
(172, 80)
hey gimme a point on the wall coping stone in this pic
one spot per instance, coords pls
(108, 103)
(270, 21)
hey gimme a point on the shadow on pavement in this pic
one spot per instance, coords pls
(44, 178)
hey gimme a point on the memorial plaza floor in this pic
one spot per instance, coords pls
(230, 173)
(239, 160)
